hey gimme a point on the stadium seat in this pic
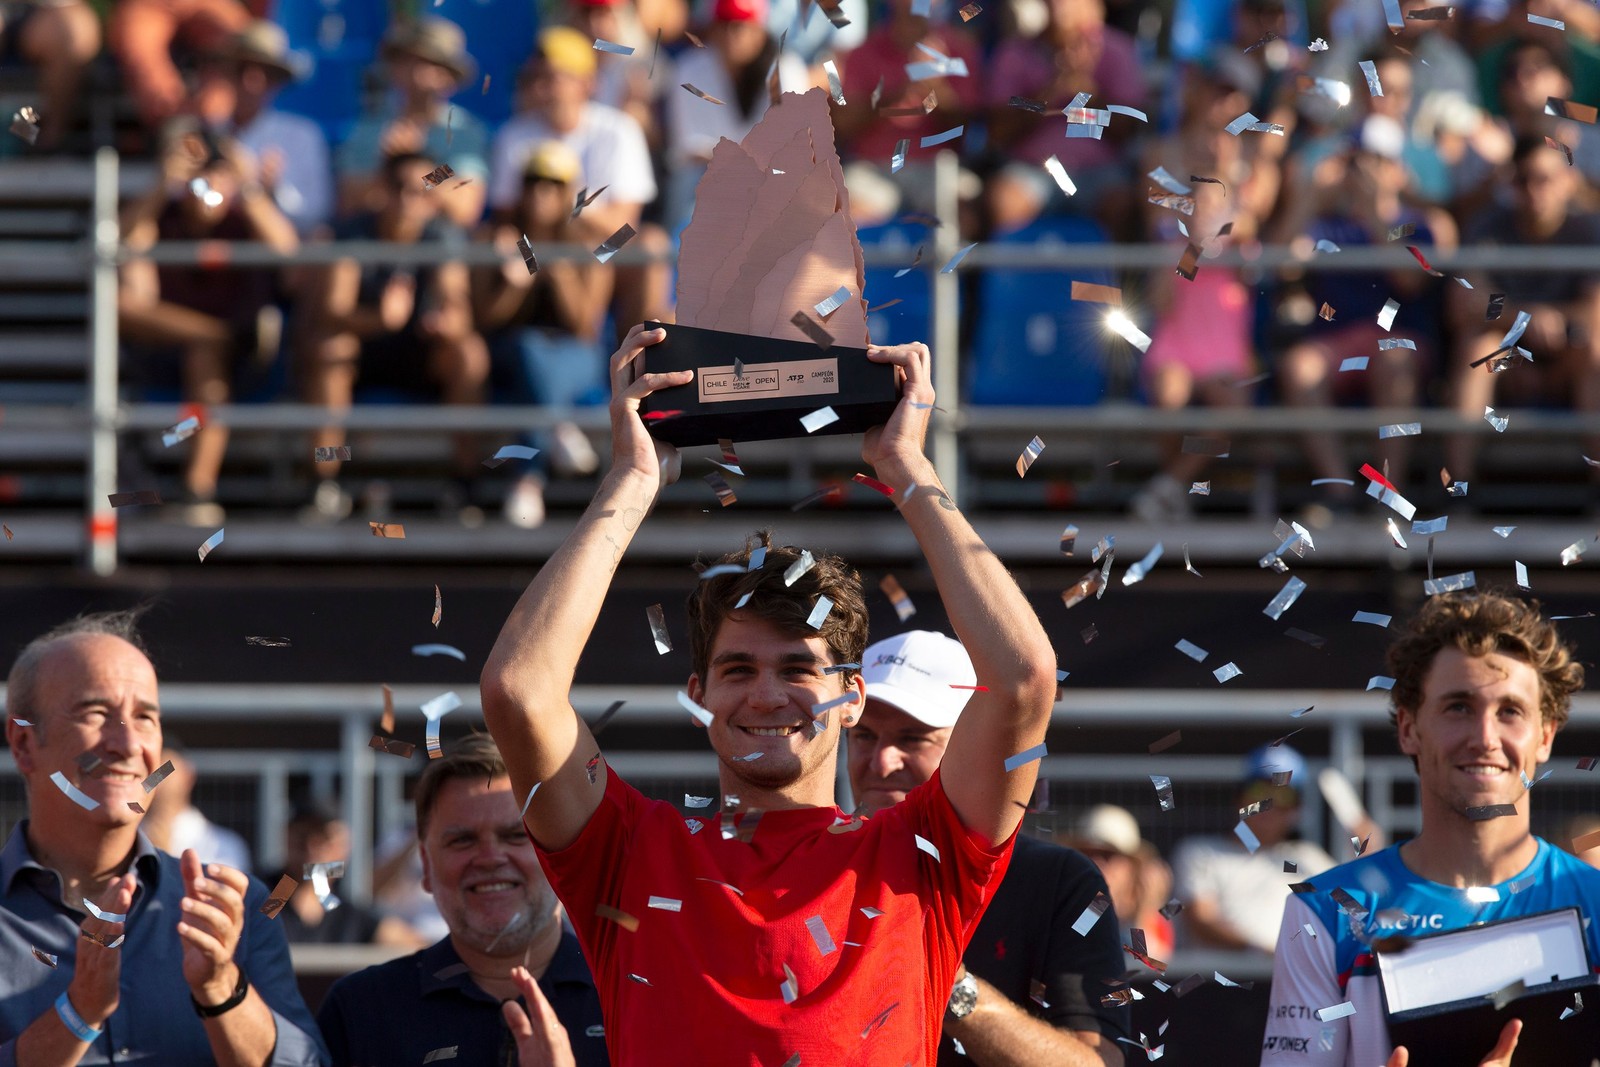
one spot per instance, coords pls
(1033, 344)
(500, 37)
(909, 320)
(340, 39)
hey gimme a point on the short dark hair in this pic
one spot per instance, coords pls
(394, 166)
(22, 685)
(475, 756)
(765, 595)
(1479, 624)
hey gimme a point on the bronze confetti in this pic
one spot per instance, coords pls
(970, 12)
(929, 102)
(485, 90)
(1096, 294)
(1567, 109)
(437, 176)
(529, 260)
(1553, 143)
(585, 198)
(438, 607)
(142, 496)
(388, 529)
(7, 530)
(1326, 312)
(1189, 265)
(702, 94)
(885, 304)
(392, 746)
(325, 454)
(897, 596)
(25, 124)
(812, 329)
(1025, 104)
(694, 40)
(1431, 14)
(1405, 229)
(616, 915)
(134, 805)
(386, 724)
(1166, 742)
(279, 896)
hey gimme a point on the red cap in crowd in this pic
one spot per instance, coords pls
(741, 11)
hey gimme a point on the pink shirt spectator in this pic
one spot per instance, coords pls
(1027, 68)
(878, 56)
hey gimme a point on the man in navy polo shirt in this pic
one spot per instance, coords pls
(508, 987)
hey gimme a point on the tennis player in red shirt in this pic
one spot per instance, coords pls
(776, 931)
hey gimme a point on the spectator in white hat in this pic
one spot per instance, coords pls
(918, 683)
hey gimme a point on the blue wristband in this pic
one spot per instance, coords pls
(74, 1022)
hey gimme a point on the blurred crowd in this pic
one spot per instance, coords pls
(1210, 125)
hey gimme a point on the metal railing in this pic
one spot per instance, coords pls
(376, 807)
(105, 417)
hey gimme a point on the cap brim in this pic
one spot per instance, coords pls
(913, 704)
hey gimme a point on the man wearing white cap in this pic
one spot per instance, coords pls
(917, 685)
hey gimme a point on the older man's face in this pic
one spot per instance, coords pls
(97, 721)
(481, 868)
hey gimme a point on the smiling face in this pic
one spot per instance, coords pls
(480, 866)
(890, 754)
(1476, 730)
(760, 685)
(95, 694)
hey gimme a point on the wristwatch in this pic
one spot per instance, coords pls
(963, 996)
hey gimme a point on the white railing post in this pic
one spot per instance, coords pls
(946, 339)
(355, 798)
(101, 481)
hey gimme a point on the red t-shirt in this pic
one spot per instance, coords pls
(702, 982)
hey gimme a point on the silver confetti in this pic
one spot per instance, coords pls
(1499, 422)
(827, 307)
(835, 86)
(1025, 757)
(1373, 618)
(1091, 915)
(1227, 672)
(1029, 454)
(658, 629)
(1522, 575)
(181, 431)
(1399, 429)
(1192, 650)
(1286, 597)
(612, 47)
(819, 418)
(1163, 787)
(819, 613)
(796, 570)
(1136, 571)
(209, 544)
(1452, 583)
(819, 933)
(1369, 70)
(613, 244)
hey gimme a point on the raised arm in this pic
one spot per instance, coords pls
(527, 680)
(1012, 656)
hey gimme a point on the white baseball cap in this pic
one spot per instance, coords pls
(914, 672)
(1104, 826)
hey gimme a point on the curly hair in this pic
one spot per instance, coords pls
(1478, 625)
(764, 594)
